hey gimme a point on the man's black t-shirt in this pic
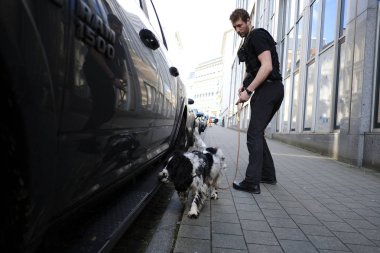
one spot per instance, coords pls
(258, 41)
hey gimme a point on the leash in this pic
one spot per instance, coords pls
(240, 108)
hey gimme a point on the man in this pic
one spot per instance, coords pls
(264, 81)
(103, 75)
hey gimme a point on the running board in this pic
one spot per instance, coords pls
(101, 227)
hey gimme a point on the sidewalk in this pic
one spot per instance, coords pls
(318, 205)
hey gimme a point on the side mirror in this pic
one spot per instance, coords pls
(149, 39)
(190, 101)
(174, 71)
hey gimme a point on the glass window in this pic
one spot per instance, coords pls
(313, 29)
(342, 99)
(301, 5)
(309, 99)
(154, 19)
(326, 73)
(299, 42)
(377, 100)
(296, 80)
(329, 17)
(343, 18)
(291, 13)
(285, 119)
(289, 56)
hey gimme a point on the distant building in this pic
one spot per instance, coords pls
(329, 58)
(205, 86)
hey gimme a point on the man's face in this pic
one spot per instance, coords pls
(242, 28)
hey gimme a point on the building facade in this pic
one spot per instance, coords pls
(204, 86)
(329, 58)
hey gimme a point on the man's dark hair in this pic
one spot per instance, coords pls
(239, 14)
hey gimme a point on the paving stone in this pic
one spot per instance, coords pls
(294, 234)
(225, 217)
(305, 219)
(281, 222)
(196, 232)
(360, 224)
(269, 205)
(324, 242)
(255, 225)
(348, 215)
(226, 228)
(228, 241)
(247, 207)
(275, 213)
(188, 245)
(353, 238)
(297, 247)
(246, 215)
(249, 201)
(315, 230)
(338, 226)
(259, 237)
(374, 220)
(297, 211)
(224, 202)
(202, 220)
(286, 203)
(264, 248)
(221, 250)
(327, 217)
(222, 209)
(373, 234)
(363, 249)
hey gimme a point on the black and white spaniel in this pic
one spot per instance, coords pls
(196, 171)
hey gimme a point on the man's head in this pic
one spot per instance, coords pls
(115, 24)
(241, 22)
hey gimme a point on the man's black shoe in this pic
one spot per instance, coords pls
(268, 181)
(244, 186)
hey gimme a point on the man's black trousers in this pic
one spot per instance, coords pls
(264, 104)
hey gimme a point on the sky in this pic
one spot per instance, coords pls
(201, 25)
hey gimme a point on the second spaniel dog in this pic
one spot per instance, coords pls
(197, 172)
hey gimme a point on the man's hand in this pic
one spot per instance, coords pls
(118, 83)
(243, 97)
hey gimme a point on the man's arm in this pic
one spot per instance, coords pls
(265, 69)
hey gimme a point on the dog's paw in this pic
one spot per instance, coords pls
(214, 195)
(193, 214)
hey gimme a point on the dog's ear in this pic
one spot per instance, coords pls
(184, 176)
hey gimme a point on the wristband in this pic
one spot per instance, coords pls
(248, 91)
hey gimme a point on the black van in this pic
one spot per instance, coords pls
(89, 101)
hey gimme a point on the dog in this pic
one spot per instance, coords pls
(197, 172)
(198, 142)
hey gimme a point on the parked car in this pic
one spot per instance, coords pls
(89, 101)
(200, 121)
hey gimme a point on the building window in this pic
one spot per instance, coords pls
(342, 98)
(377, 73)
(285, 118)
(328, 23)
(298, 43)
(289, 56)
(291, 14)
(313, 29)
(309, 97)
(326, 73)
(296, 80)
(301, 5)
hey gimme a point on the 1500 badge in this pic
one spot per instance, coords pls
(91, 29)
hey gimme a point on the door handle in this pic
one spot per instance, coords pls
(149, 39)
